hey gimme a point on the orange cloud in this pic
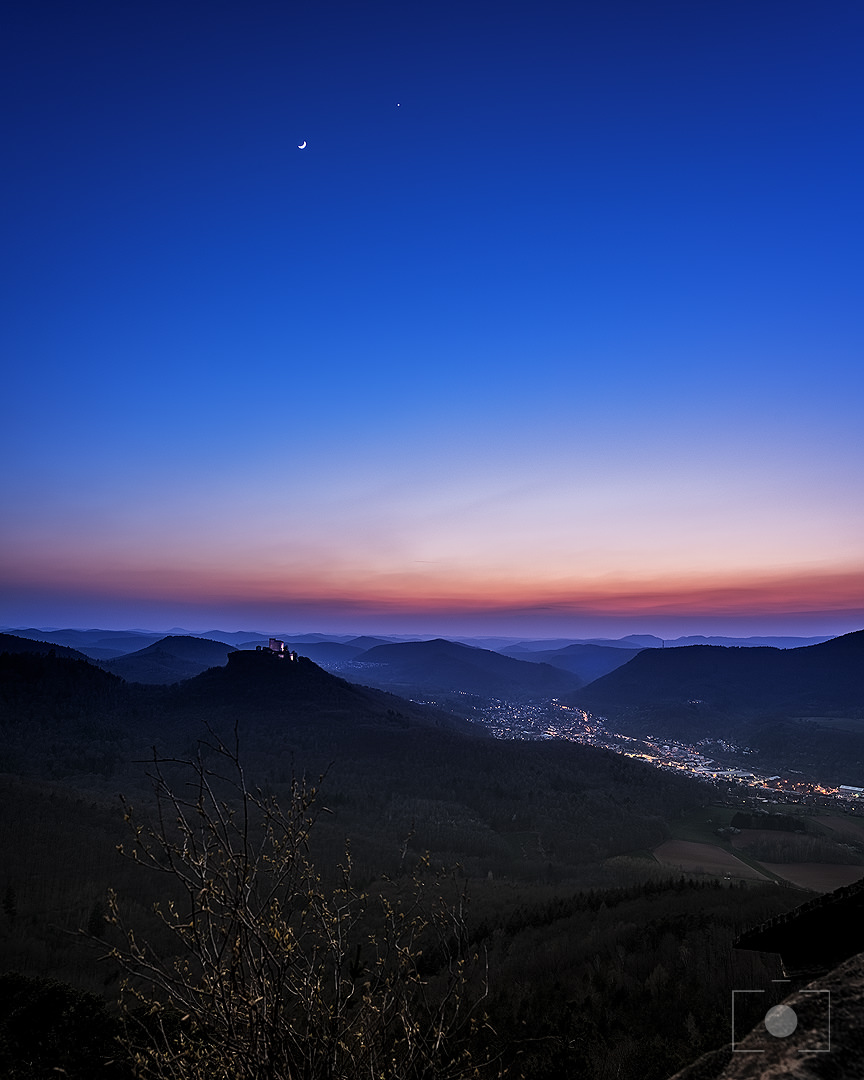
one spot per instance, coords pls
(768, 593)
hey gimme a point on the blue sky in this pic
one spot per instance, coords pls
(556, 318)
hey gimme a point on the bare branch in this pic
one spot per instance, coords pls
(274, 977)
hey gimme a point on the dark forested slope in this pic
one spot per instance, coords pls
(588, 662)
(802, 709)
(11, 643)
(393, 766)
(811, 679)
(627, 982)
(441, 666)
(170, 660)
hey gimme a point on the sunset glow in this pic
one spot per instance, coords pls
(568, 342)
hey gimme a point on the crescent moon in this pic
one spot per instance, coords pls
(302, 145)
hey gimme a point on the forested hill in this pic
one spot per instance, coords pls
(394, 767)
(442, 666)
(811, 679)
(71, 701)
(10, 643)
(298, 692)
(588, 662)
(531, 824)
(169, 660)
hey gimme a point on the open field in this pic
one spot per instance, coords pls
(696, 848)
(704, 858)
(820, 877)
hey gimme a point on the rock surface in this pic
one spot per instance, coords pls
(821, 1047)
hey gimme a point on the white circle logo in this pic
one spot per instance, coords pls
(780, 1021)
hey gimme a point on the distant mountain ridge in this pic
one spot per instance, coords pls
(96, 644)
(651, 641)
(63, 690)
(776, 642)
(300, 689)
(326, 653)
(442, 666)
(11, 643)
(826, 675)
(108, 644)
(588, 662)
(170, 660)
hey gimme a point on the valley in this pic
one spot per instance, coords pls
(602, 861)
(730, 768)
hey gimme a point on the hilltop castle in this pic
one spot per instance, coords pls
(277, 647)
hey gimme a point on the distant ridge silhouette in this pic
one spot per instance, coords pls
(447, 666)
(827, 675)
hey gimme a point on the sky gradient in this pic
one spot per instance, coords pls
(554, 326)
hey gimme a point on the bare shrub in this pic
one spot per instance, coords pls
(275, 977)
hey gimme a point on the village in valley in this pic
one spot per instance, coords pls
(732, 769)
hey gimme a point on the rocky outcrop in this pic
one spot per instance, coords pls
(827, 1042)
